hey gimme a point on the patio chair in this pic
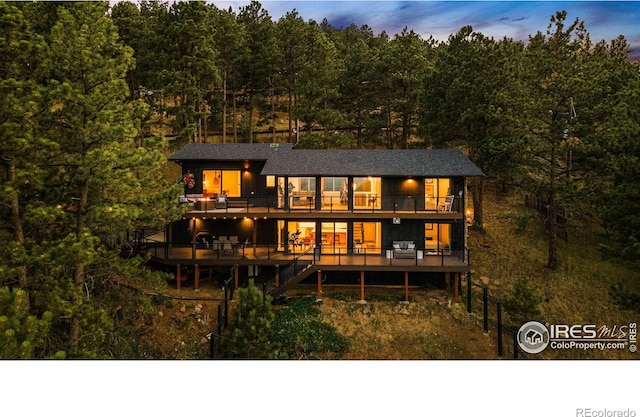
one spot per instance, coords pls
(447, 204)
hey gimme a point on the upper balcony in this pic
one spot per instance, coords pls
(449, 206)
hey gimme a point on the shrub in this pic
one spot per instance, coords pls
(523, 301)
(249, 335)
(301, 335)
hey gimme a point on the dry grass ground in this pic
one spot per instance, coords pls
(428, 327)
(514, 243)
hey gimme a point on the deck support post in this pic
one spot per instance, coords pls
(235, 277)
(319, 277)
(193, 238)
(456, 278)
(277, 276)
(178, 276)
(168, 240)
(196, 282)
(255, 235)
(469, 292)
(406, 286)
(362, 300)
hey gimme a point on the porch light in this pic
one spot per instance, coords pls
(469, 216)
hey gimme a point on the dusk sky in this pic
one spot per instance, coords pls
(515, 19)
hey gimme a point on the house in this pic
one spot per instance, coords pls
(287, 215)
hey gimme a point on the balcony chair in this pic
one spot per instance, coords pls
(447, 204)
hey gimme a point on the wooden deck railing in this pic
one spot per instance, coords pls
(382, 204)
(254, 253)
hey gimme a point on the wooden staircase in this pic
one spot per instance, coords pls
(291, 282)
(293, 273)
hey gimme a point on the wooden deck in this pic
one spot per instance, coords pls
(268, 257)
(293, 213)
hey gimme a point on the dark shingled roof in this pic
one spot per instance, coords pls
(385, 163)
(282, 159)
(229, 151)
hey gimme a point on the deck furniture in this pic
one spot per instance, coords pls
(404, 249)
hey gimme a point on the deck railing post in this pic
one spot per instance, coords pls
(499, 311)
(485, 309)
(468, 252)
(469, 292)
(166, 248)
(226, 305)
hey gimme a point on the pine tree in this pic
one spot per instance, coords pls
(102, 183)
(20, 333)
(250, 334)
(21, 148)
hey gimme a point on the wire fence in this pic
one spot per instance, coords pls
(223, 315)
(493, 314)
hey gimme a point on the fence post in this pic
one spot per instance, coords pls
(515, 345)
(500, 347)
(211, 343)
(485, 309)
(469, 292)
(216, 329)
(226, 306)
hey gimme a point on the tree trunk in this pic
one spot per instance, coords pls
(234, 119)
(251, 110)
(18, 236)
(406, 126)
(273, 117)
(290, 113)
(224, 108)
(205, 127)
(79, 271)
(477, 193)
(325, 107)
(552, 213)
(388, 122)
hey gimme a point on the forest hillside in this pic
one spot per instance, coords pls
(95, 96)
